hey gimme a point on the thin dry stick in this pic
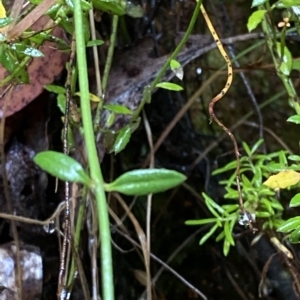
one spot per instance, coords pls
(46, 222)
(65, 254)
(15, 12)
(30, 19)
(247, 218)
(95, 54)
(149, 204)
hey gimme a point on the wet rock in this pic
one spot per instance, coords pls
(32, 272)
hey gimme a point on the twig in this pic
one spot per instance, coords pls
(149, 204)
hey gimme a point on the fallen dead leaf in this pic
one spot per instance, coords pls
(283, 179)
(42, 71)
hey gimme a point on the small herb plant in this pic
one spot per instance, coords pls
(259, 199)
(258, 184)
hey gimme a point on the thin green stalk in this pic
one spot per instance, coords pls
(108, 63)
(270, 37)
(149, 90)
(93, 162)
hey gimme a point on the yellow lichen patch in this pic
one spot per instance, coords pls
(283, 179)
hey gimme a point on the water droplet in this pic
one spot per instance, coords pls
(198, 71)
(245, 218)
(50, 227)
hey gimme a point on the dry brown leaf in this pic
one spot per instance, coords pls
(42, 71)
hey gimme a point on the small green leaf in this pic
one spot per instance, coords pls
(220, 236)
(289, 225)
(110, 120)
(276, 167)
(246, 182)
(122, 139)
(95, 43)
(5, 21)
(229, 208)
(294, 119)
(118, 109)
(257, 178)
(282, 158)
(295, 201)
(176, 68)
(228, 233)
(169, 86)
(295, 236)
(133, 10)
(276, 205)
(213, 204)
(258, 2)
(209, 203)
(256, 146)
(228, 167)
(296, 64)
(174, 64)
(55, 89)
(287, 59)
(200, 222)
(294, 158)
(267, 205)
(24, 49)
(226, 247)
(255, 18)
(61, 102)
(7, 59)
(247, 149)
(86, 6)
(208, 234)
(287, 3)
(145, 181)
(263, 214)
(113, 7)
(62, 166)
(93, 98)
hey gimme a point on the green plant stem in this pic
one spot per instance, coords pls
(149, 90)
(93, 162)
(108, 63)
(270, 37)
